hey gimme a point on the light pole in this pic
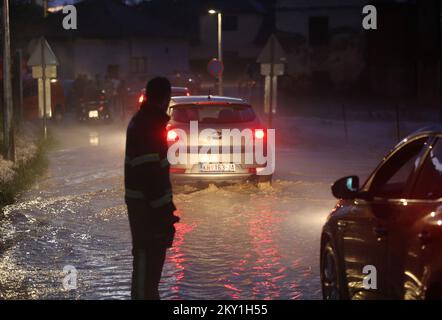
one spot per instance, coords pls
(8, 130)
(220, 46)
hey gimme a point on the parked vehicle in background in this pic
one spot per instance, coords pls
(180, 91)
(176, 92)
(188, 80)
(391, 226)
(94, 106)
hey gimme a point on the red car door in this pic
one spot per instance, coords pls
(367, 228)
(414, 247)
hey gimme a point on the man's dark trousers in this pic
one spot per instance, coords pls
(149, 252)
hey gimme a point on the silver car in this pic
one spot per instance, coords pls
(203, 137)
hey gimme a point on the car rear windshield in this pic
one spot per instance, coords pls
(212, 113)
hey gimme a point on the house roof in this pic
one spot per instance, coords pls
(109, 19)
(184, 14)
(199, 7)
(233, 6)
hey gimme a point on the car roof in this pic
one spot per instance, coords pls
(207, 99)
(172, 88)
(434, 129)
(429, 130)
(180, 89)
(424, 131)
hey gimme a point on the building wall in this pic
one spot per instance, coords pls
(336, 64)
(240, 41)
(164, 57)
(93, 56)
(293, 16)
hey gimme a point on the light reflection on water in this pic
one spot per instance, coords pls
(247, 246)
(94, 139)
(263, 244)
(176, 260)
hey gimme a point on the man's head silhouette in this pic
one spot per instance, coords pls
(158, 93)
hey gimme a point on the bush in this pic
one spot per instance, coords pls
(26, 173)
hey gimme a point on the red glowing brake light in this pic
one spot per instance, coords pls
(259, 134)
(252, 170)
(177, 170)
(141, 99)
(172, 135)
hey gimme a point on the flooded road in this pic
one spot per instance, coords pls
(233, 242)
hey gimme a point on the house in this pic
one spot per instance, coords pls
(404, 55)
(324, 43)
(327, 48)
(241, 23)
(116, 40)
(392, 50)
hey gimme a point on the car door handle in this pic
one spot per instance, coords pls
(380, 231)
(424, 236)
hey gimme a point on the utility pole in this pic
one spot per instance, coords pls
(220, 52)
(439, 33)
(272, 75)
(45, 8)
(8, 131)
(43, 70)
(220, 47)
(17, 86)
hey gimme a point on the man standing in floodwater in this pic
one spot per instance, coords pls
(148, 191)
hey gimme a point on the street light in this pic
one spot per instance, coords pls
(220, 48)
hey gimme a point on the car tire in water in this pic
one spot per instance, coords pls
(331, 274)
(262, 179)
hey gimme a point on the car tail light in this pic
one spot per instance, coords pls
(177, 170)
(252, 170)
(259, 134)
(188, 94)
(141, 99)
(172, 135)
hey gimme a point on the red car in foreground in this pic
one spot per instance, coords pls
(383, 240)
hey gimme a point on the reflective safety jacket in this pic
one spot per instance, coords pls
(146, 166)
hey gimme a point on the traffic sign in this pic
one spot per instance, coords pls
(215, 67)
(272, 52)
(36, 56)
(266, 69)
(272, 59)
(51, 72)
(44, 67)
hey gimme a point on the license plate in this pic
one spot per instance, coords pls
(217, 167)
(93, 114)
